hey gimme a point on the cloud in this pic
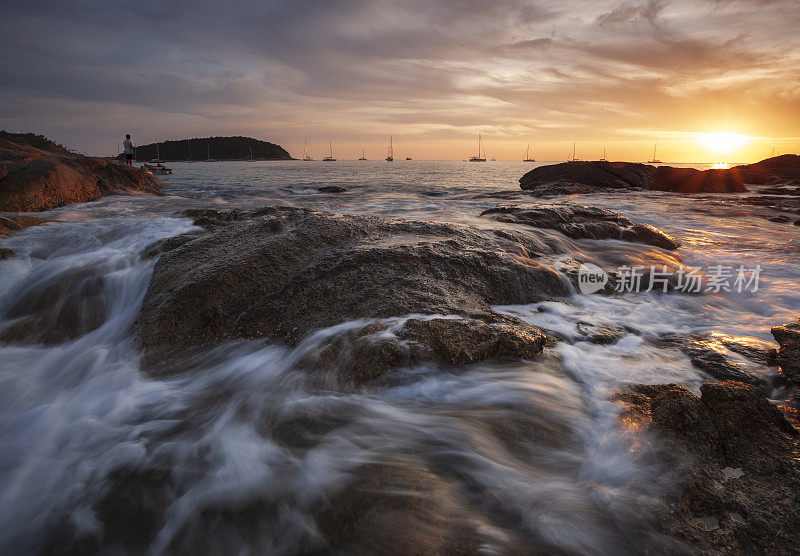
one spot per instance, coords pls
(359, 69)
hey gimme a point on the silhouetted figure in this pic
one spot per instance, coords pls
(130, 149)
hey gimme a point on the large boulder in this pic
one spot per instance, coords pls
(36, 180)
(735, 456)
(280, 273)
(689, 180)
(582, 222)
(584, 177)
(778, 169)
(588, 177)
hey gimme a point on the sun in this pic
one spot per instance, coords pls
(722, 141)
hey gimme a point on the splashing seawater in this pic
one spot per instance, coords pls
(239, 428)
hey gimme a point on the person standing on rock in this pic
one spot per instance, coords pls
(130, 149)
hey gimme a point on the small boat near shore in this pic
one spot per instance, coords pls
(157, 169)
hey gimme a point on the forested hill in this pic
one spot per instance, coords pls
(216, 148)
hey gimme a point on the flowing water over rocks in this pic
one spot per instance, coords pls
(384, 370)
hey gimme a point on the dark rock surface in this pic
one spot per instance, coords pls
(714, 354)
(736, 455)
(784, 169)
(37, 180)
(582, 222)
(331, 189)
(280, 273)
(15, 222)
(587, 177)
(584, 177)
(788, 337)
(689, 180)
(362, 355)
(67, 306)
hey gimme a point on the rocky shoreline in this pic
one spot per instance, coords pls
(593, 176)
(736, 451)
(357, 299)
(33, 180)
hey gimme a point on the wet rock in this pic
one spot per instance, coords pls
(362, 355)
(67, 307)
(403, 505)
(788, 337)
(464, 341)
(6, 253)
(331, 189)
(778, 169)
(709, 353)
(168, 244)
(689, 180)
(601, 333)
(280, 273)
(582, 222)
(587, 177)
(208, 218)
(132, 511)
(39, 180)
(736, 455)
(13, 223)
(645, 233)
(780, 219)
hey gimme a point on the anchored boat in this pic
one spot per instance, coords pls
(329, 158)
(478, 157)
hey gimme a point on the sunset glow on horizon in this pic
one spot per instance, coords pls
(702, 79)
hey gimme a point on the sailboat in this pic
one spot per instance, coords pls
(604, 159)
(307, 157)
(250, 159)
(209, 159)
(527, 155)
(655, 160)
(329, 158)
(571, 157)
(409, 158)
(363, 156)
(189, 150)
(157, 159)
(481, 156)
(390, 154)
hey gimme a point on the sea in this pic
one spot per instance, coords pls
(74, 413)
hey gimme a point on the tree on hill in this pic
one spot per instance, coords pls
(216, 148)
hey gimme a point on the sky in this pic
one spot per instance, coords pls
(619, 75)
